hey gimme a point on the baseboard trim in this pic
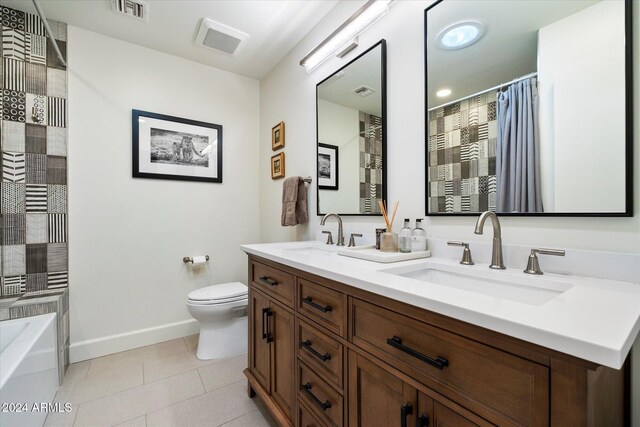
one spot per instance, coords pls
(97, 347)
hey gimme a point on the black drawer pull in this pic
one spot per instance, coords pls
(268, 280)
(307, 389)
(309, 300)
(405, 411)
(307, 346)
(266, 313)
(423, 420)
(439, 362)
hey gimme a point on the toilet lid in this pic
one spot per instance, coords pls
(224, 291)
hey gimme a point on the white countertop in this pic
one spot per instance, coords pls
(595, 319)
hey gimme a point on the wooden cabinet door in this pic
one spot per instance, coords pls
(378, 398)
(282, 328)
(432, 413)
(259, 357)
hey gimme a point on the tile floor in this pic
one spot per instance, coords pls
(159, 385)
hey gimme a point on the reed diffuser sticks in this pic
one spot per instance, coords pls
(383, 209)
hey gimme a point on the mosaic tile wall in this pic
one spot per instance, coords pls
(462, 156)
(33, 208)
(370, 163)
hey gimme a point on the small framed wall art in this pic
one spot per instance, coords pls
(277, 136)
(277, 166)
(327, 167)
(167, 147)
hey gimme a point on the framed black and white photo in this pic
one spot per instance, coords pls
(327, 167)
(167, 147)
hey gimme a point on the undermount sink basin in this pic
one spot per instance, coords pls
(313, 250)
(499, 284)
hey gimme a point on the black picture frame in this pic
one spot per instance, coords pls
(180, 162)
(629, 157)
(334, 161)
(382, 43)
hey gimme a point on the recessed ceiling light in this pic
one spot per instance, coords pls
(443, 92)
(460, 35)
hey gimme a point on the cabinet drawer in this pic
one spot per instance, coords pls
(306, 417)
(321, 352)
(320, 396)
(276, 283)
(507, 388)
(323, 305)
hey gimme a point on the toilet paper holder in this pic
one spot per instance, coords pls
(189, 259)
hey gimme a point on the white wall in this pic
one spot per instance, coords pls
(128, 236)
(288, 93)
(341, 128)
(573, 55)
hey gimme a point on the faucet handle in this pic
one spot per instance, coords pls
(533, 266)
(466, 253)
(329, 237)
(352, 241)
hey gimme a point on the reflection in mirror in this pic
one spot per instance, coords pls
(351, 136)
(527, 108)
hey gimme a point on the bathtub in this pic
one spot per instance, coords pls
(28, 369)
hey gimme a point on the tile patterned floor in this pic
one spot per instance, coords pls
(159, 385)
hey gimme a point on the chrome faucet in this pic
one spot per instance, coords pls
(340, 241)
(496, 253)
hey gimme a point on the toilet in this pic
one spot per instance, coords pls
(221, 311)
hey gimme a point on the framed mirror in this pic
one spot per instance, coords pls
(529, 107)
(351, 136)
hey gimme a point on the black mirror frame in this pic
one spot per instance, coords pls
(383, 78)
(628, 212)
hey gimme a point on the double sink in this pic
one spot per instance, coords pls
(503, 284)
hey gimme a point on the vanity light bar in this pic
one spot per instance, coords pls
(366, 16)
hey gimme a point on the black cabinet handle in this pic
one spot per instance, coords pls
(309, 301)
(405, 410)
(307, 390)
(307, 346)
(264, 322)
(266, 313)
(268, 280)
(423, 420)
(439, 362)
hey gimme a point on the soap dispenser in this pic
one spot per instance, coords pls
(404, 237)
(418, 238)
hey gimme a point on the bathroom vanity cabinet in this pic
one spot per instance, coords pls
(323, 353)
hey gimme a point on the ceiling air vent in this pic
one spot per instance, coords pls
(133, 8)
(363, 91)
(220, 37)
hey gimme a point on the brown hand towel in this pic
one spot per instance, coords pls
(294, 202)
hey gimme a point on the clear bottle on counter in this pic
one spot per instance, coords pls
(404, 237)
(418, 238)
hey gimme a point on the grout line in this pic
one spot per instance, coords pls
(140, 359)
(193, 397)
(205, 391)
(144, 377)
(226, 385)
(173, 404)
(86, 374)
(201, 380)
(143, 385)
(233, 419)
(75, 416)
(134, 418)
(145, 420)
(111, 394)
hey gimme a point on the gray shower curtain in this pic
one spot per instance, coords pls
(517, 149)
